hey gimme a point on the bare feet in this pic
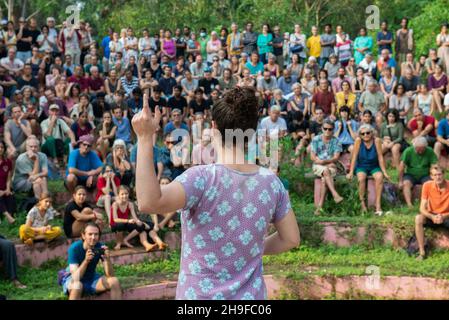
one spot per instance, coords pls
(338, 199)
(18, 284)
(151, 247)
(318, 211)
(171, 224)
(129, 245)
(118, 246)
(10, 219)
(162, 246)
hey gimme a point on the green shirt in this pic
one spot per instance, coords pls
(397, 132)
(418, 165)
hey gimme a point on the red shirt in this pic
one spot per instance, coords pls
(101, 183)
(413, 125)
(120, 214)
(83, 82)
(95, 84)
(5, 168)
(324, 100)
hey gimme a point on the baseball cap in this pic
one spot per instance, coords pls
(53, 106)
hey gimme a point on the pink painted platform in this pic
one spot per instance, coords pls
(316, 287)
(363, 287)
(41, 252)
(345, 236)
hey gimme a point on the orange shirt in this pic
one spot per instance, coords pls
(437, 199)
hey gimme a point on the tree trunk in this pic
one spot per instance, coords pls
(10, 9)
(24, 8)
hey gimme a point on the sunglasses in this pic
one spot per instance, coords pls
(87, 145)
(169, 142)
(365, 133)
(328, 129)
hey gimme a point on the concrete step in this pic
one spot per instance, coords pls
(42, 252)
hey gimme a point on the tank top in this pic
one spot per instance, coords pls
(424, 104)
(367, 158)
(120, 214)
(169, 46)
(358, 86)
(112, 87)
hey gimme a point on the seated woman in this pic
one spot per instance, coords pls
(106, 134)
(367, 160)
(7, 200)
(424, 100)
(437, 84)
(346, 129)
(298, 127)
(121, 212)
(346, 97)
(279, 100)
(392, 135)
(82, 126)
(37, 226)
(118, 159)
(299, 101)
(400, 102)
(107, 189)
(78, 213)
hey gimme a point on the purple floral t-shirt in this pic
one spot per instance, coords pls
(224, 224)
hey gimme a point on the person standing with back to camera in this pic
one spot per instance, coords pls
(226, 207)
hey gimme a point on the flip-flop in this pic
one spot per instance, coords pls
(379, 213)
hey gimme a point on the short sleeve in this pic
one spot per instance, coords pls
(31, 214)
(193, 181)
(425, 191)
(73, 258)
(97, 163)
(72, 159)
(283, 204)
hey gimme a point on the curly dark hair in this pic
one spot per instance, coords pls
(237, 109)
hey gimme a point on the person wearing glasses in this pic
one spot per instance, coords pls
(176, 123)
(325, 152)
(367, 160)
(83, 166)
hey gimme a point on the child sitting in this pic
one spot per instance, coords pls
(120, 221)
(37, 226)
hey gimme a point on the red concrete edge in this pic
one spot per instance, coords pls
(362, 287)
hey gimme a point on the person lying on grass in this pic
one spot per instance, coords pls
(227, 206)
(121, 212)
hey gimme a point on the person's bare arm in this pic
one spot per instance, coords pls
(150, 196)
(83, 216)
(424, 211)
(285, 238)
(354, 155)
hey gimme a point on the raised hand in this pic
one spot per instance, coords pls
(144, 123)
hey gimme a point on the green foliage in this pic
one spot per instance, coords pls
(426, 25)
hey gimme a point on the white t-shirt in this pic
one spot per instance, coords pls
(446, 100)
(273, 128)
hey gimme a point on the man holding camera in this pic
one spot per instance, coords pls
(83, 258)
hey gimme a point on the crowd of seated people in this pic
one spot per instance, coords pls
(67, 100)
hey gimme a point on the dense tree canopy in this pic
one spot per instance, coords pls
(426, 16)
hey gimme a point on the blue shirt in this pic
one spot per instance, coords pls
(135, 107)
(285, 86)
(345, 137)
(254, 70)
(77, 254)
(382, 36)
(443, 129)
(123, 129)
(105, 45)
(84, 163)
(171, 127)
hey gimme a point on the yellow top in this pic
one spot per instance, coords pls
(314, 46)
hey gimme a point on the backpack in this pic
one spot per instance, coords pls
(413, 248)
(390, 194)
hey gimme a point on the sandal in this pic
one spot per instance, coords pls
(379, 213)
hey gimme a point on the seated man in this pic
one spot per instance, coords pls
(8, 257)
(422, 126)
(175, 123)
(442, 137)
(84, 256)
(31, 170)
(17, 130)
(83, 166)
(37, 226)
(434, 208)
(326, 150)
(415, 162)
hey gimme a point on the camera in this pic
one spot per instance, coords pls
(98, 251)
